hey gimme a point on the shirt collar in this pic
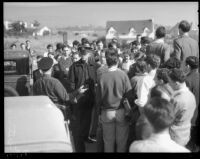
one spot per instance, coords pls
(113, 68)
(160, 41)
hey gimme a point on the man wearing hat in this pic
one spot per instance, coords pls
(83, 72)
(50, 86)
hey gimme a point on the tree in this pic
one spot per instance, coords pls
(18, 27)
(36, 23)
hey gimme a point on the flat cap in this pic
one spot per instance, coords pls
(45, 63)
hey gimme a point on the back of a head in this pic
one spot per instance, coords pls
(112, 57)
(140, 66)
(161, 92)
(75, 42)
(145, 40)
(193, 62)
(153, 60)
(172, 63)
(184, 26)
(162, 74)
(177, 75)
(160, 113)
(59, 46)
(160, 32)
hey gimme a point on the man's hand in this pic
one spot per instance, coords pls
(82, 89)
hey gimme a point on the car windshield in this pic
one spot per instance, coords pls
(16, 67)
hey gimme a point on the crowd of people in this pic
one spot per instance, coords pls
(141, 98)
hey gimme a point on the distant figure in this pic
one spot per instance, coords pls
(58, 51)
(23, 46)
(185, 46)
(138, 39)
(160, 115)
(49, 49)
(13, 46)
(159, 47)
(145, 41)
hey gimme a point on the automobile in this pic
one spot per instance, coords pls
(35, 124)
(18, 72)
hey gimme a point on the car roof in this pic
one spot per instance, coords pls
(33, 120)
(15, 54)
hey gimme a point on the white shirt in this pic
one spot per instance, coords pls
(144, 85)
(157, 143)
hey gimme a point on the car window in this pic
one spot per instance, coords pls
(10, 67)
(16, 67)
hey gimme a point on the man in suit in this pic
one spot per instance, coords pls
(185, 46)
(159, 47)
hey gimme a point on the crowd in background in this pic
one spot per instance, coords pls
(139, 98)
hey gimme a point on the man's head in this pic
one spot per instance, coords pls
(76, 56)
(126, 56)
(160, 32)
(99, 45)
(192, 62)
(13, 46)
(76, 44)
(184, 27)
(59, 46)
(84, 40)
(112, 45)
(84, 53)
(159, 113)
(138, 38)
(23, 46)
(162, 76)
(112, 57)
(45, 64)
(153, 61)
(50, 48)
(172, 63)
(28, 43)
(140, 67)
(161, 92)
(66, 50)
(176, 78)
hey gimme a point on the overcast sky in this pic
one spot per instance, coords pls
(64, 14)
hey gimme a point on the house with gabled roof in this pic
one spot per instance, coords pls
(129, 29)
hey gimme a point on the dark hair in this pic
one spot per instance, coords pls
(39, 57)
(59, 46)
(28, 41)
(172, 62)
(192, 61)
(162, 74)
(184, 26)
(160, 32)
(145, 40)
(75, 42)
(160, 113)
(140, 66)
(13, 45)
(177, 75)
(139, 35)
(64, 46)
(158, 90)
(139, 55)
(111, 44)
(135, 43)
(112, 57)
(99, 41)
(153, 60)
(82, 51)
(22, 44)
(84, 40)
(50, 45)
